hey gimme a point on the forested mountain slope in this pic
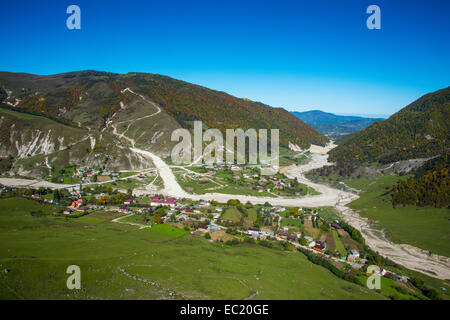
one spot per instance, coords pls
(419, 130)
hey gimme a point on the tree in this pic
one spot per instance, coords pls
(233, 202)
(103, 200)
(158, 219)
(303, 241)
(207, 235)
(289, 247)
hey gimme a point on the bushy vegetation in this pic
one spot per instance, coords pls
(429, 187)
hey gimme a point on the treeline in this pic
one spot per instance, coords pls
(354, 233)
(318, 260)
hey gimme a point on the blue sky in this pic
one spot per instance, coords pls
(299, 55)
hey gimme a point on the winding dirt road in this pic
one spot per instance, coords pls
(406, 255)
(409, 256)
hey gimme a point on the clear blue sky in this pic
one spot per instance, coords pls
(298, 55)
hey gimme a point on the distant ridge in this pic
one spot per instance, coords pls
(420, 130)
(334, 125)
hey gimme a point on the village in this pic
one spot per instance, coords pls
(246, 179)
(231, 223)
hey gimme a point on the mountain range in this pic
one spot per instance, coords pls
(334, 125)
(93, 118)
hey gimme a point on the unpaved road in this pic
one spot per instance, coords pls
(409, 256)
(406, 255)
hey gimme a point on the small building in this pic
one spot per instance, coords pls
(336, 226)
(312, 244)
(320, 246)
(82, 209)
(166, 202)
(124, 209)
(353, 255)
(267, 232)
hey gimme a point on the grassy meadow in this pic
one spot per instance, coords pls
(120, 261)
(423, 227)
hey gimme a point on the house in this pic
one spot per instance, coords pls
(76, 203)
(379, 271)
(235, 168)
(267, 232)
(203, 228)
(128, 202)
(166, 202)
(187, 210)
(214, 227)
(312, 244)
(68, 211)
(124, 209)
(204, 204)
(82, 209)
(255, 236)
(308, 238)
(320, 246)
(353, 255)
(336, 226)
(287, 236)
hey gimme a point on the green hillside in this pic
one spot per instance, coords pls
(430, 185)
(147, 263)
(30, 144)
(420, 130)
(93, 99)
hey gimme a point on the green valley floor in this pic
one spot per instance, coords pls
(120, 261)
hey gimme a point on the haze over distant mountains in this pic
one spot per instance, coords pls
(334, 125)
